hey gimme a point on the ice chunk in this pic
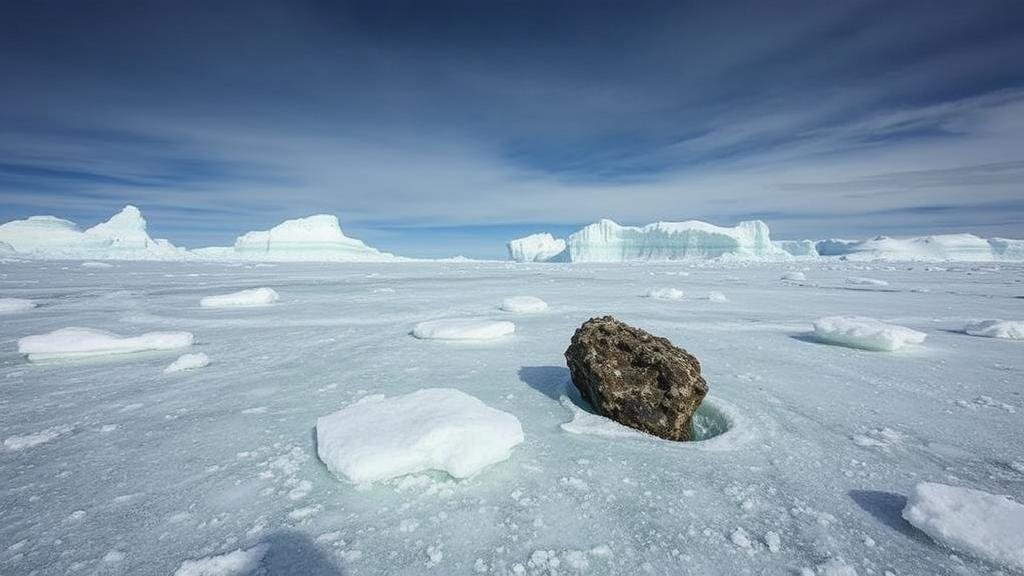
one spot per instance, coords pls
(862, 281)
(1009, 329)
(537, 248)
(987, 526)
(665, 294)
(241, 562)
(794, 277)
(188, 362)
(241, 299)
(607, 241)
(865, 333)
(523, 304)
(431, 429)
(84, 342)
(463, 329)
(717, 297)
(15, 305)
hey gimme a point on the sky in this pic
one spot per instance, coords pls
(436, 128)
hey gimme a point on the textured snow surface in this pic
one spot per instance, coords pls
(463, 329)
(988, 526)
(15, 305)
(536, 248)
(188, 362)
(1008, 329)
(523, 304)
(432, 429)
(241, 299)
(865, 333)
(121, 469)
(75, 342)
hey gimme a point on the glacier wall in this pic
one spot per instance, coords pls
(943, 247)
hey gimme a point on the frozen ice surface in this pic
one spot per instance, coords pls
(988, 526)
(523, 304)
(825, 442)
(1008, 329)
(431, 429)
(865, 333)
(665, 294)
(241, 562)
(75, 342)
(242, 299)
(15, 305)
(463, 329)
(188, 362)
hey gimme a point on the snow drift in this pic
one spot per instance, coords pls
(463, 329)
(241, 299)
(84, 342)
(122, 237)
(432, 429)
(316, 238)
(865, 333)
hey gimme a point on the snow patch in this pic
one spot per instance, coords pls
(523, 304)
(865, 333)
(463, 329)
(1008, 329)
(431, 429)
(15, 305)
(29, 440)
(188, 362)
(665, 294)
(75, 342)
(241, 299)
(987, 526)
(862, 281)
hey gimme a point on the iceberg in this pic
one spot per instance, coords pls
(123, 237)
(316, 238)
(962, 247)
(607, 241)
(798, 248)
(537, 248)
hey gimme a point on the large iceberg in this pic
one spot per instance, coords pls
(123, 237)
(798, 248)
(607, 241)
(315, 238)
(962, 247)
(537, 248)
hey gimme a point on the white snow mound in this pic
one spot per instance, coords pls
(241, 562)
(463, 329)
(84, 342)
(431, 429)
(241, 299)
(523, 304)
(536, 248)
(862, 281)
(15, 305)
(188, 362)
(865, 333)
(988, 526)
(794, 277)
(665, 294)
(1008, 329)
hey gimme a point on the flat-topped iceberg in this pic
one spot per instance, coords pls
(608, 241)
(316, 238)
(123, 237)
(952, 247)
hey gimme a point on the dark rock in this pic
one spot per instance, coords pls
(637, 379)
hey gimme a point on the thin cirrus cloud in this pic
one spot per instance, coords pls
(434, 129)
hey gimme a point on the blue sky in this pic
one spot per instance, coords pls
(440, 128)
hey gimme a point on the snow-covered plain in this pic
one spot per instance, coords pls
(111, 467)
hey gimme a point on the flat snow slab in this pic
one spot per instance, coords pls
(865, 333)
(1007, 329)
(988, 526)
(463, 329)
(84, 342)
(241, 299)
(188, 362)
(431, 429)
(524, 304)
(15, 305)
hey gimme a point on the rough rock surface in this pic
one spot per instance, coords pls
(637, 379)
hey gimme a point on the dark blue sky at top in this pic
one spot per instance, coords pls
(436, 128)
